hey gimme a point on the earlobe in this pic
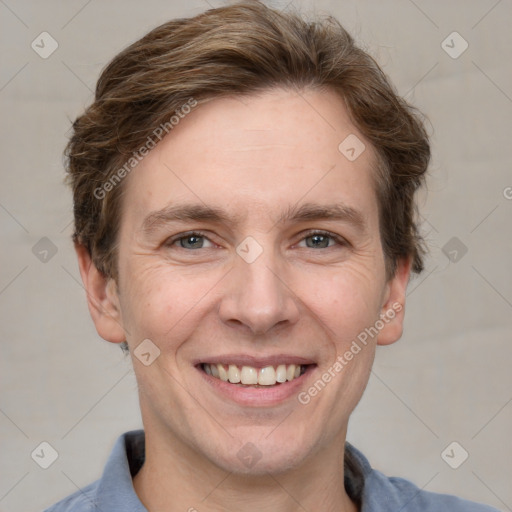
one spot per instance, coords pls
(393, 309)
(102, 298)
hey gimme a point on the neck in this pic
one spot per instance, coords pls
(174, 478)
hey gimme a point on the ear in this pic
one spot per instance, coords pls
(102, 298)
(393, 308)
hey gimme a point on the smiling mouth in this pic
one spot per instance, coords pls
(249, 376)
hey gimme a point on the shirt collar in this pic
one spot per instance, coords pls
(115, 490)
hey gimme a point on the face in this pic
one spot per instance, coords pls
(250, 241)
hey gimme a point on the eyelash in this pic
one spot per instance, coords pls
(339, 240)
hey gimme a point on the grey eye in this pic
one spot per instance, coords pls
(192, 242)
(318, 241)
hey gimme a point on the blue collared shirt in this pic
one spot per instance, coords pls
(374, 491)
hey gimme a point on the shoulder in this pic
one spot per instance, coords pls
(379, 493)
(83, 500)
(114, 490)
(411, 498)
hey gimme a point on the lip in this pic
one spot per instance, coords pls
(257, 396)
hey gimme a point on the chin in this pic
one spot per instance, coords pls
(257, 456)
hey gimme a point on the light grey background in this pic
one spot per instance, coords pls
(447, 380)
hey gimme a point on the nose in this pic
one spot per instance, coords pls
(257, 296)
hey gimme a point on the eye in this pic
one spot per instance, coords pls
(321, 240)
(193, 240)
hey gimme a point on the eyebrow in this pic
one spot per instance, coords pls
(184, 212)
(201, 212)
(337, 211)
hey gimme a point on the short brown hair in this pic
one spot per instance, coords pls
(237, 50)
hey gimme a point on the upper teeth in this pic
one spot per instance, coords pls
(267, 376)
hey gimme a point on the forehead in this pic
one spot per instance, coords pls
(256, 155)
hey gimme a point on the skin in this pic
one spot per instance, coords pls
(253, 157)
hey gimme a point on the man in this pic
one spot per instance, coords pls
(244, 223)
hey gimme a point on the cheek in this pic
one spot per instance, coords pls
(345, 301)
(162, 304)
